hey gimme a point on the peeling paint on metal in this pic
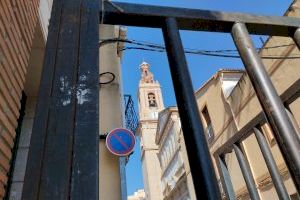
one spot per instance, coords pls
(82, 96)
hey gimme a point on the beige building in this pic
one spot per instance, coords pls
(112, 167)
(150, 104)
(138, 195)
(176, 179)
(165, 165)
(230, 109)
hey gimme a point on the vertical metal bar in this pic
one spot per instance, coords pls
(122, 162)
(293, 120)
(38, 139)
(85, 160)
(297, 38)
(225, 177)
(202, 170)
(282, 127)
(63, 156)
(271, 164)
(246, 171)
(56, 170)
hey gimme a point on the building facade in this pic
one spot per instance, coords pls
(231, 112)
(164, 159)
(23, 36)
(138, 195)
(111, 113)
(223, 122)
(176, 179)
(150, 103)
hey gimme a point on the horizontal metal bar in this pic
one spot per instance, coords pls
(240, 135)
(195, 19)
(102, 137)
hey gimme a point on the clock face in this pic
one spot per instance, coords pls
(154, 115)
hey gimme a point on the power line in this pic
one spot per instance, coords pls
(227, 53)
(211, 54)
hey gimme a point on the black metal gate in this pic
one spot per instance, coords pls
(64, 146)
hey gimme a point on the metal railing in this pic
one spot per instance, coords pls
(234, 144)
(131, 118)
(237, 147)
(75, 24)
(170, 20)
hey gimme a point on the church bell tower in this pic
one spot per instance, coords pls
(150, 104)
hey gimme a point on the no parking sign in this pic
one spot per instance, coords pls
(120, 141)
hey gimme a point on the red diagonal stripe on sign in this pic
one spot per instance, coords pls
(121, 141)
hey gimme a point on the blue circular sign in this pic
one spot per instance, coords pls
(120, 142)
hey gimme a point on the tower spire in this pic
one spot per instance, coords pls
(147, 76)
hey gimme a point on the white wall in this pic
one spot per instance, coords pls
(44, 15)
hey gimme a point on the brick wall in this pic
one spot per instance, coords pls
(18, 19)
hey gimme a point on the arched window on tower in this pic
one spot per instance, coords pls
(152, 100)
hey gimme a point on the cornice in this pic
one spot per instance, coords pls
(264, 181)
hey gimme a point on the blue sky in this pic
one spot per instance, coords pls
(201, 67)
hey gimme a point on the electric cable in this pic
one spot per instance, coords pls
(113, 76)
(227, 53)
(212, 54)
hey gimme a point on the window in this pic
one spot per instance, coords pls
(207, 124)
(152, 100)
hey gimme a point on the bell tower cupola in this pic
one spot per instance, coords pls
(149, 94)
